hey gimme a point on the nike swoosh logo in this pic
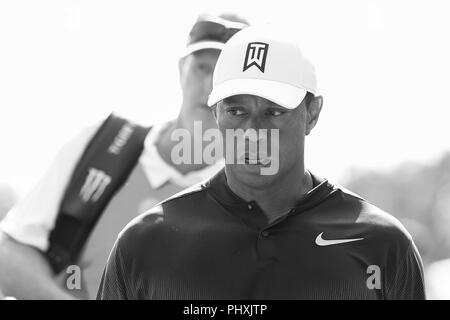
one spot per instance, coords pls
(322, 242)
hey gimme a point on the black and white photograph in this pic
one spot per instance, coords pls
(222, 151)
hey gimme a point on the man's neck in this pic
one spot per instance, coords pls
(278, 199)
(164, 146)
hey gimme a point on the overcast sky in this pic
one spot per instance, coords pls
(383, 68)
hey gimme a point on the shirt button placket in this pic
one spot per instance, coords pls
(266, 245)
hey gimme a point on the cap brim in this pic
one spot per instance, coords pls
(202, 45)
(283, 94)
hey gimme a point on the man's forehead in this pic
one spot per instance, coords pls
(249, 99)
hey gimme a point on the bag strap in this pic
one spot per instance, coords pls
(103, 168)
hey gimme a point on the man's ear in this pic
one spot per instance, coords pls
(314, 108)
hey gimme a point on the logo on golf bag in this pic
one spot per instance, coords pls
(94, 185)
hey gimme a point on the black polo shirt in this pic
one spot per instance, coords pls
(207, 243)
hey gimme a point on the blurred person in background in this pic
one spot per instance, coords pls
(24, 233)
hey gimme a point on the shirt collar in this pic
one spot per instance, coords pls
(222, 192)
(158, 171)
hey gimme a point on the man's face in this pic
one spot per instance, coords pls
(196, 72)
(252, 112)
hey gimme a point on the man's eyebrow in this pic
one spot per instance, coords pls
(276, 106)
(232, 100)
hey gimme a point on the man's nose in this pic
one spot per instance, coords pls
(254, 121)
(255, 129)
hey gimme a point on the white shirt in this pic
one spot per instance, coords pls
(32, 219)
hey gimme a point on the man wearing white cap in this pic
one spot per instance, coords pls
(248, 235)
(26, 232)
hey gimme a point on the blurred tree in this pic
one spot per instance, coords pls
(7, 199)
(418, 195)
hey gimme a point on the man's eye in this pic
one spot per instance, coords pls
(235, 112)
(274, 113)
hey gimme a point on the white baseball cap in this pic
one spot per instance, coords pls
(263, 61)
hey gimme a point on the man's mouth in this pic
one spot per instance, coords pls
(256, 160)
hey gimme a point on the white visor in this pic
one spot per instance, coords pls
(203, 45)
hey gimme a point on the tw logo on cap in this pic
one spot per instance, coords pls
(256, 55)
